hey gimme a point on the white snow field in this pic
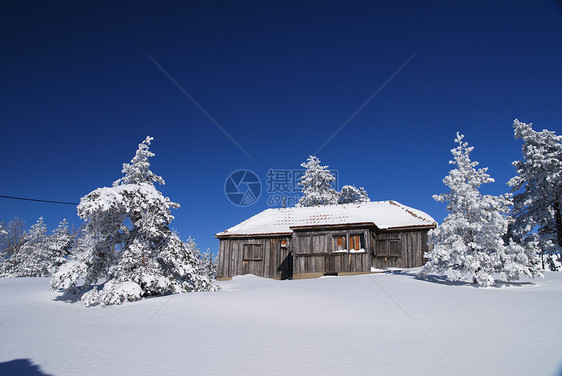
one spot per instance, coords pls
(378, 324)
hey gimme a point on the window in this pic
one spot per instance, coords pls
(388, 247)
(339, 243)
(252, 252)
(283, 243)
(356, 242)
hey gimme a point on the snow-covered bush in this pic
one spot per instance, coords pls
(538, 192)
(128, 244)
(470, 241)
(350, 194)
(316, 184)
(113, 293)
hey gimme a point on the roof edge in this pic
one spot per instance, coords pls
(221, 235)
(412, 227)
(334, 226)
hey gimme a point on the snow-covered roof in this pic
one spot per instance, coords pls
(383, 214)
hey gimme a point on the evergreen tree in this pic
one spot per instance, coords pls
(470, 241)
(210, 264)
(350, 194)
(95, 250)
(33, 258)
(127, 241)
(59, 245)
(538, 186)
(206, 264)
(316, 184)
(40, 255)
(181, 260)
(138, 171)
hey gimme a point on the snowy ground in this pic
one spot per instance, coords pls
(383, 324)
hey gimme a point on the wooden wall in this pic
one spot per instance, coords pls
(314, 252)
(412, 245)
(274, 263)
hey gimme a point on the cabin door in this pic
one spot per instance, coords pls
(252, 261)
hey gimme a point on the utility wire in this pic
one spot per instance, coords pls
(37, 200)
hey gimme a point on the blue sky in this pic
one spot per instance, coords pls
(78, 94)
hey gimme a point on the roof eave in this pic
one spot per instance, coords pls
(332, 226)
(328, 227)
(254, 235)
(412, 227)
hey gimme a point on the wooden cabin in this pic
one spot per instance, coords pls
(307, 242)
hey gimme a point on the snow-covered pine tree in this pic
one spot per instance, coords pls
(95, 250)
(59, 245)
(33, 258)
(316, 184)
(350, 194)
(127, 241)
(538, 191)
(38, 255)
(210, 264)
(41, 255)
(469, 242)
(207, 265)
(138, 171)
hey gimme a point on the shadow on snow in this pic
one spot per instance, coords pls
(75, 295)
(443, 280)
(21, 367)
(67, 297)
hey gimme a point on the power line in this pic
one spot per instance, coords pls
(37, 200)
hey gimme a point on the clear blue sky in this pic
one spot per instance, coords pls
(78, 94)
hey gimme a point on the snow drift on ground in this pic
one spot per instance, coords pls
(379, 324)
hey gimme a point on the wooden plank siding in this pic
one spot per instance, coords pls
(313, 252)
(273, 263)
(412, 243)
(316, 252)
